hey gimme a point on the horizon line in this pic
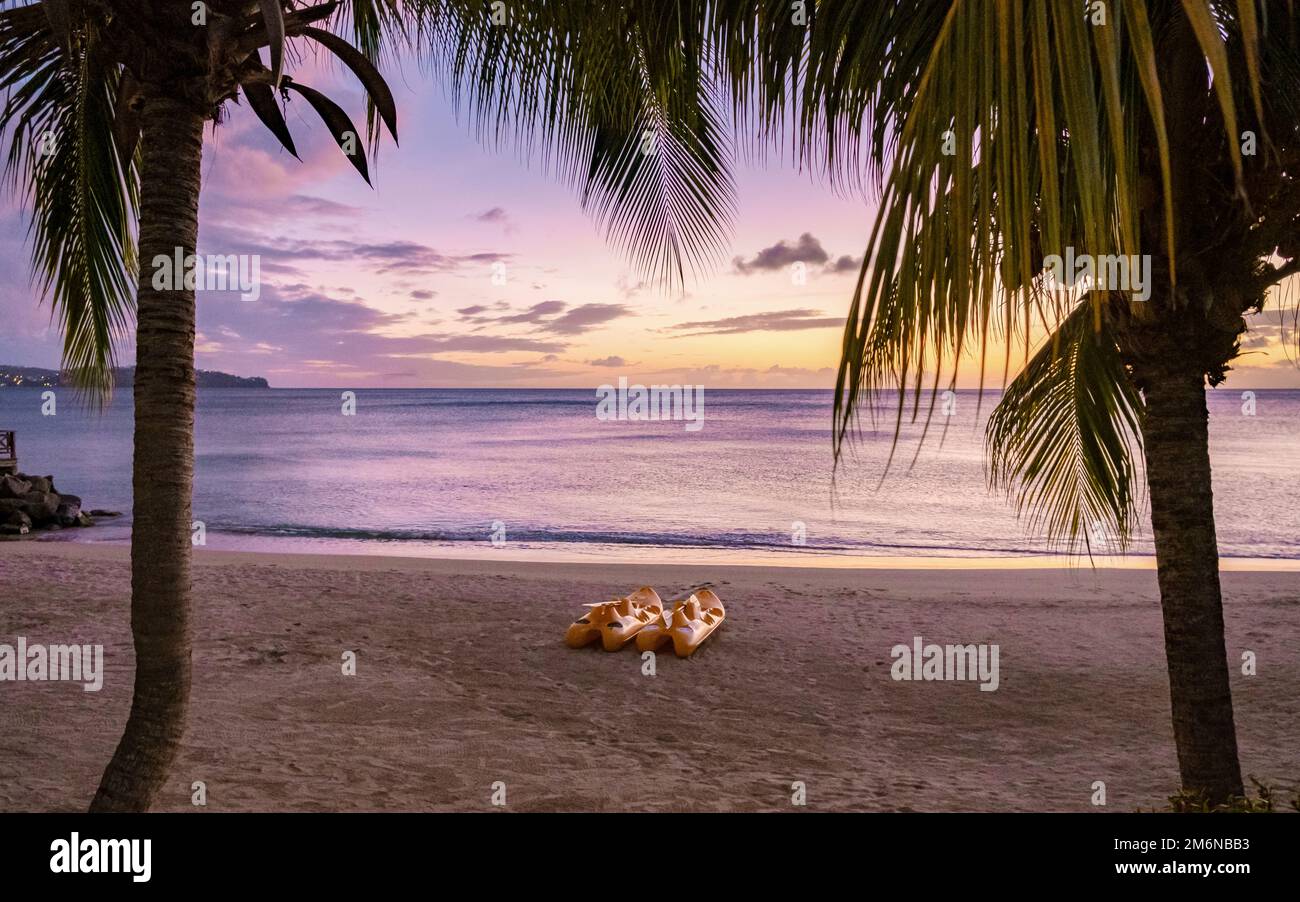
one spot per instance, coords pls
(593, 388)
(354, 387)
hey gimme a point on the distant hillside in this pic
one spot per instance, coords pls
(35, 377)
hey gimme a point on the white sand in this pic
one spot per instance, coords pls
(463, 680)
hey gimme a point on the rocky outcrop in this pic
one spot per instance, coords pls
(31, 502)
(68, 512)
(14, 487)
(41, 506)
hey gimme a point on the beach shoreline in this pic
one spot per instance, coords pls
(462, 681)
(222, 546)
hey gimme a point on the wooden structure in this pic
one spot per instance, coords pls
(8, 453)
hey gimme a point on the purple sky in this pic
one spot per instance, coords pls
(393, 287)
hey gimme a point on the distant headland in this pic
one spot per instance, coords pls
(124, 377)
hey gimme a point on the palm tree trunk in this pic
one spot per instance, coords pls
(163, 469)
(1176, 441)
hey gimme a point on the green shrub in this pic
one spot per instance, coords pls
(1265, 801)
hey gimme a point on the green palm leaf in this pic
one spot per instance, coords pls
(377, 26)
(59, 117)
(1008, 131)
(587, 95)
(1062, 438)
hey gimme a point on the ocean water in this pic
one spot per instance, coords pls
(440, 472)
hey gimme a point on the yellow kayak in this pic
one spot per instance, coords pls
(615, 622)
(686, 626)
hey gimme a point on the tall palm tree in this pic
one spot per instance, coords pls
(1003, 132)
(106, 112)
(107, 103)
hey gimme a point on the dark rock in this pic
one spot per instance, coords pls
(37, 514)
(32, 502)
(40, 506)
(16, 523)
(14, 487)
(67, 514)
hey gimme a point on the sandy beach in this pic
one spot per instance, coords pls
(463, 680)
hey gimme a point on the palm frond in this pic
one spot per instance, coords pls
(378, 27)
(1024, 127)
(619, 105)
(1062, 440)
(375, 23)
(273, 20)
(337, 121)
(59, 118)
(824, 80)
(653, 190)
(378, 95)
